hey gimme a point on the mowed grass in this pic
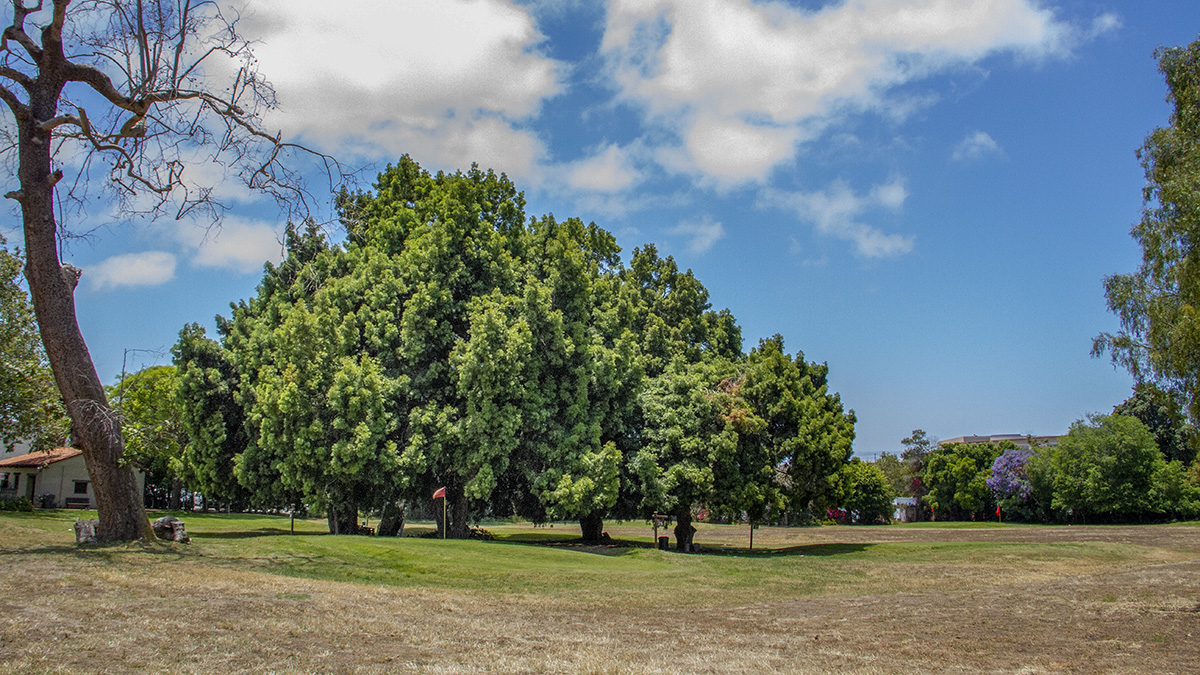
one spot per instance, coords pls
(536, 600)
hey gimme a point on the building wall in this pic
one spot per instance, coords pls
(59, 480)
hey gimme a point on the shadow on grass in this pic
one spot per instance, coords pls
(250, 534)
(622, 546)
(816, 550)
(107, 552)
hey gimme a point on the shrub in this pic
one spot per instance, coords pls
(18, 504)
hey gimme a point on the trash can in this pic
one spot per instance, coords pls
(664, 543)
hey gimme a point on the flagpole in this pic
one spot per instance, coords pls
(444, 523)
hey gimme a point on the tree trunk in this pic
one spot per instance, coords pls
(95, 428)
(176, 493)
(458, 513)
(439, 519)
(391, 521)
(592, 526)
(684, 532)
(342, 518)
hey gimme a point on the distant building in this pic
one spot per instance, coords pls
(53, 478)
(1019, 440)
(905, 509)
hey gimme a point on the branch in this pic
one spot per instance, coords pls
(16, 31)
(16, 76)
(19, 109)
(101, 84)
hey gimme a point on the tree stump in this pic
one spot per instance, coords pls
(85, 531)
(171, 529)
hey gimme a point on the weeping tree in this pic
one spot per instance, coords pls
(119, 97)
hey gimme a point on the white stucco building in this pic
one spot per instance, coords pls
(60, 473)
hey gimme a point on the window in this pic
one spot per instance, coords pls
(81, 487)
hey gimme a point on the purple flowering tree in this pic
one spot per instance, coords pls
(1008, 474)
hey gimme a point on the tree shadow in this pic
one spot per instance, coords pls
(105, 551)
(815, 550)
(251, 534)
(622, 546)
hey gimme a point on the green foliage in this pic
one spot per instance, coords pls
(151, 421)
(517, 363)
(672, 315)
(210, 415)
(1165, 418)
(1111, 468)
(18, 504)
(1160, 326)
(30, 406)
(916, 449)
(896, 472)
(686, 435)
(807, 432)
(956, 475)
(865, 493)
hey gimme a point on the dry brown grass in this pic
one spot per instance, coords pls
(920, 600)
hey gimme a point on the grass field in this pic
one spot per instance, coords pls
(247, 596)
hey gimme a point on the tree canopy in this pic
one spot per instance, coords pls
(1159, 339)
(454, 342)
(31, 408)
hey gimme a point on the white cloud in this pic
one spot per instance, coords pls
(148, 268)
(449, 81)
(1105, 23)
(237, 244)
(837, 210)
(608, 169)
(738, 83)
(974, 146)
(703, 234)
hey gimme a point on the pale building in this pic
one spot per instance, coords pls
(55, 478)
(1019, 440)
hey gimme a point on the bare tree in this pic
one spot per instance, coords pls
(125, 95)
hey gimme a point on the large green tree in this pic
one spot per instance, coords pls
(584, 374)
(320, 380)
(956, 476)
(30, 406)
(152, 422)
(1109, 467)
(865, 493)
(688, 437)
(808, 433)
(211, 416)
(1161, 413)
(1157, 305)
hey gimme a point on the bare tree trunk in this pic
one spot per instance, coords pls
(94, 425)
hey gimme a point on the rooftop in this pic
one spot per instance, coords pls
(39, 459)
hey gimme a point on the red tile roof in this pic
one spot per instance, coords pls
(39, 459)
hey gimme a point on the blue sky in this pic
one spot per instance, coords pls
(924, 194)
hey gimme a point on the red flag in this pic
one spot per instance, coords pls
(440, 494)
(997, 510)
